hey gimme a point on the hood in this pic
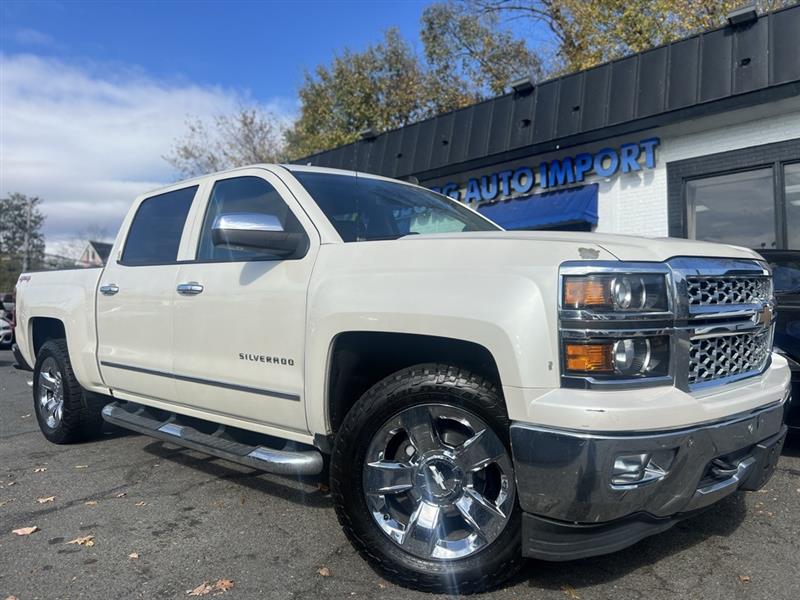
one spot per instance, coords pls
(623, 247)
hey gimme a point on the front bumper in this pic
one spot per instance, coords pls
(574, 509)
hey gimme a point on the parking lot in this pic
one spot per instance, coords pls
(165, 520)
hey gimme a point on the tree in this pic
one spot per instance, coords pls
(588, 32)
(249, 136)
(383, 87)
(472, 49)
(388, 85)
(469, 49)
(21, 238)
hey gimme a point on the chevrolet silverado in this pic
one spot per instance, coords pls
(476, 396)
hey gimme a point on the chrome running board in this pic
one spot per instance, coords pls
(291, 459)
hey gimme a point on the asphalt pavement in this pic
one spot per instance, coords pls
(163, 521)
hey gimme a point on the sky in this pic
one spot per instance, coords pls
(93, 94)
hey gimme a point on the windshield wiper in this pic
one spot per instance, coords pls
(378, 238)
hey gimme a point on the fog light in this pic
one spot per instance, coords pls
(636, 469)
(629, 468)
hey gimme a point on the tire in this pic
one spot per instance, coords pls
(65, 414)
(371, 510)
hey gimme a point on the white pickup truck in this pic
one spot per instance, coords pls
(478, 395)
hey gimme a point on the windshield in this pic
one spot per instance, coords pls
(363, 209)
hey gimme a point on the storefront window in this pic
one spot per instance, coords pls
(791, 182)
(738, 208)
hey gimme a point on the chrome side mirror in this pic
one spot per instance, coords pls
(257, 231)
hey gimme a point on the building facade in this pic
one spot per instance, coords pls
(699, 138)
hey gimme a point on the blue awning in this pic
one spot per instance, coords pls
(550, 209)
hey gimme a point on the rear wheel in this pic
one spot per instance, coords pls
(424, 484)
(64, 414)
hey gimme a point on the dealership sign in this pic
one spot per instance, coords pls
(559, 172)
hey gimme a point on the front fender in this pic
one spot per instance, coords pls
(508, 314)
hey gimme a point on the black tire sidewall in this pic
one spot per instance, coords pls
(68, 428)
(425, 384)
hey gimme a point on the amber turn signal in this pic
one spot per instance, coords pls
(589, 358)
(580, 292)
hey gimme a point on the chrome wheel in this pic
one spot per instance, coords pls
(51, 393)
(439, 482)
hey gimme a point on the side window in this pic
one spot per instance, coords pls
(155, 233)
(243, 195)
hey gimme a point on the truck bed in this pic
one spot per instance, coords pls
(68, 296)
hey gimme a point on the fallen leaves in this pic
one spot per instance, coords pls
(86, 540)
(121, 495)
(141, 504)
(323, 488)
(4, 502)
(324, 572)
(570, 592)
(133, 556)
(45, 499)
(11, 598)
(218, 587)
(201, 590)
(39, 469)
(91, 503)
(744, 578)
(25, 530)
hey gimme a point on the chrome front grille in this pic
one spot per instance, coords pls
(729, 307)
(720, 291)
(728, 356)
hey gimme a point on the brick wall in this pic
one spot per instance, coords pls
(637, 203)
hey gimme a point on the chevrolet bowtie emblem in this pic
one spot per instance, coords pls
(438, 477)
(764, 316)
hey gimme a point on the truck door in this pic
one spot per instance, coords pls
(239, 318)
(134, 301)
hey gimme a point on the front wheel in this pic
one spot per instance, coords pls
(423, 481)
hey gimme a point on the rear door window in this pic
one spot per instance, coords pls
(155, 233)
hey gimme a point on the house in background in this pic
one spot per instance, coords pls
(95, 255)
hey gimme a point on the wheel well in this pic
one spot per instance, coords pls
(360, 359)
(44, 329)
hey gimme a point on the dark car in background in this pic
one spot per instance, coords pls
(6, 320)
(786, 272)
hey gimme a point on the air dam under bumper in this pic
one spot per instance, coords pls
(589, 494)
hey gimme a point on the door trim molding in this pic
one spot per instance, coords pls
(221, 384)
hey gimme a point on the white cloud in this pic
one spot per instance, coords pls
(32, 37)
(88, 139)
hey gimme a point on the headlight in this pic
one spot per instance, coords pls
(633, 292)
(628, 358)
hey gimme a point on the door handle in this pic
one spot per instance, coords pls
(109, 290)
(189, 289)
